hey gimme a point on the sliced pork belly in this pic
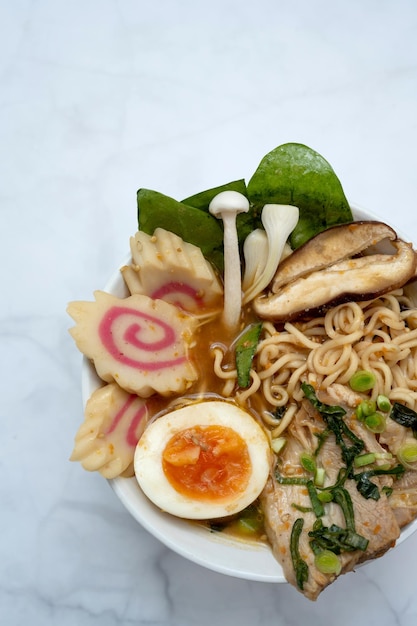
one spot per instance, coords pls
(403, 499)
(374, 520)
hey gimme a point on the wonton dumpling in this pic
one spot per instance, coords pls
(166, 267)
(106, 440)
(140, 343)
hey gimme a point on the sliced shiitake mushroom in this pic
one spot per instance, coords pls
(359, 278)
(330, 246)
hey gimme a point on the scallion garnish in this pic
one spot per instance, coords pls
(278, 444)
(367, 488)
(407, 454)
(308, 462)
(362, 381)
(375, 422)
(325, 496)
(319, 477)
(383, 403)
(337, 539)
(364, 459)
(327, 562)
(251, 520)
(290, 480)
(300, 566)
(342, 497)
(315, 501)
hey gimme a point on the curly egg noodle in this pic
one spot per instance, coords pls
(378, 335)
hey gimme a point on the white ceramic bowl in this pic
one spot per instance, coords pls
(215, 551)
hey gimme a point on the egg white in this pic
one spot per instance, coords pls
(148, 459)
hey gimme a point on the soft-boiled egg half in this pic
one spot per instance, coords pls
(205, 460)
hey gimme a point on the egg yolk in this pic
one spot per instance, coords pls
(207, 463)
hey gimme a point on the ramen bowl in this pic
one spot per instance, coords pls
(216, 551)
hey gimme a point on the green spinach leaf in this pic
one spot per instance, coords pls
(191, 224)
(245, 351)
(297, 175)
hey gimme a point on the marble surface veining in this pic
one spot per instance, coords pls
(97, 99)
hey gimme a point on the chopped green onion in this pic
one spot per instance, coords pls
(383, 456)
(302, 509)
(325, 495)
(375, 423)
(364, 459)
(407, 454)
(368, 407)
(383, 403)
(384, 466)
(365, 408)
(277, 444)
(251, 520)
(362, 381)
(328, 562)
(315, 501)
(308, 462)
(337, 539)
(319, 477)
(300, 566)
(342, 497)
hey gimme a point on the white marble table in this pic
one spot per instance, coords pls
(98, 98)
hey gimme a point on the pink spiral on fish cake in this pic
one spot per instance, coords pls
(118, 339)
(185, 292)
(129, 423)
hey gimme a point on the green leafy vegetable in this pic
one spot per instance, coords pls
(191, 224)
(336, 539)
(244, 352)
(333, 417)
(404, 416)
(367, 488)
(202, 200)
(291, 174)
(315, 501)
(300, 566)
(342, 497)
(290, 480)
(245, 222)
(295, 174)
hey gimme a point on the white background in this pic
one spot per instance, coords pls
(97, 99)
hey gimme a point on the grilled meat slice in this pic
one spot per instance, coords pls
(403, 499)
(283, 504)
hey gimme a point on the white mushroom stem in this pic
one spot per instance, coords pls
(255, 251)
(279, 220)
(226, 206)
